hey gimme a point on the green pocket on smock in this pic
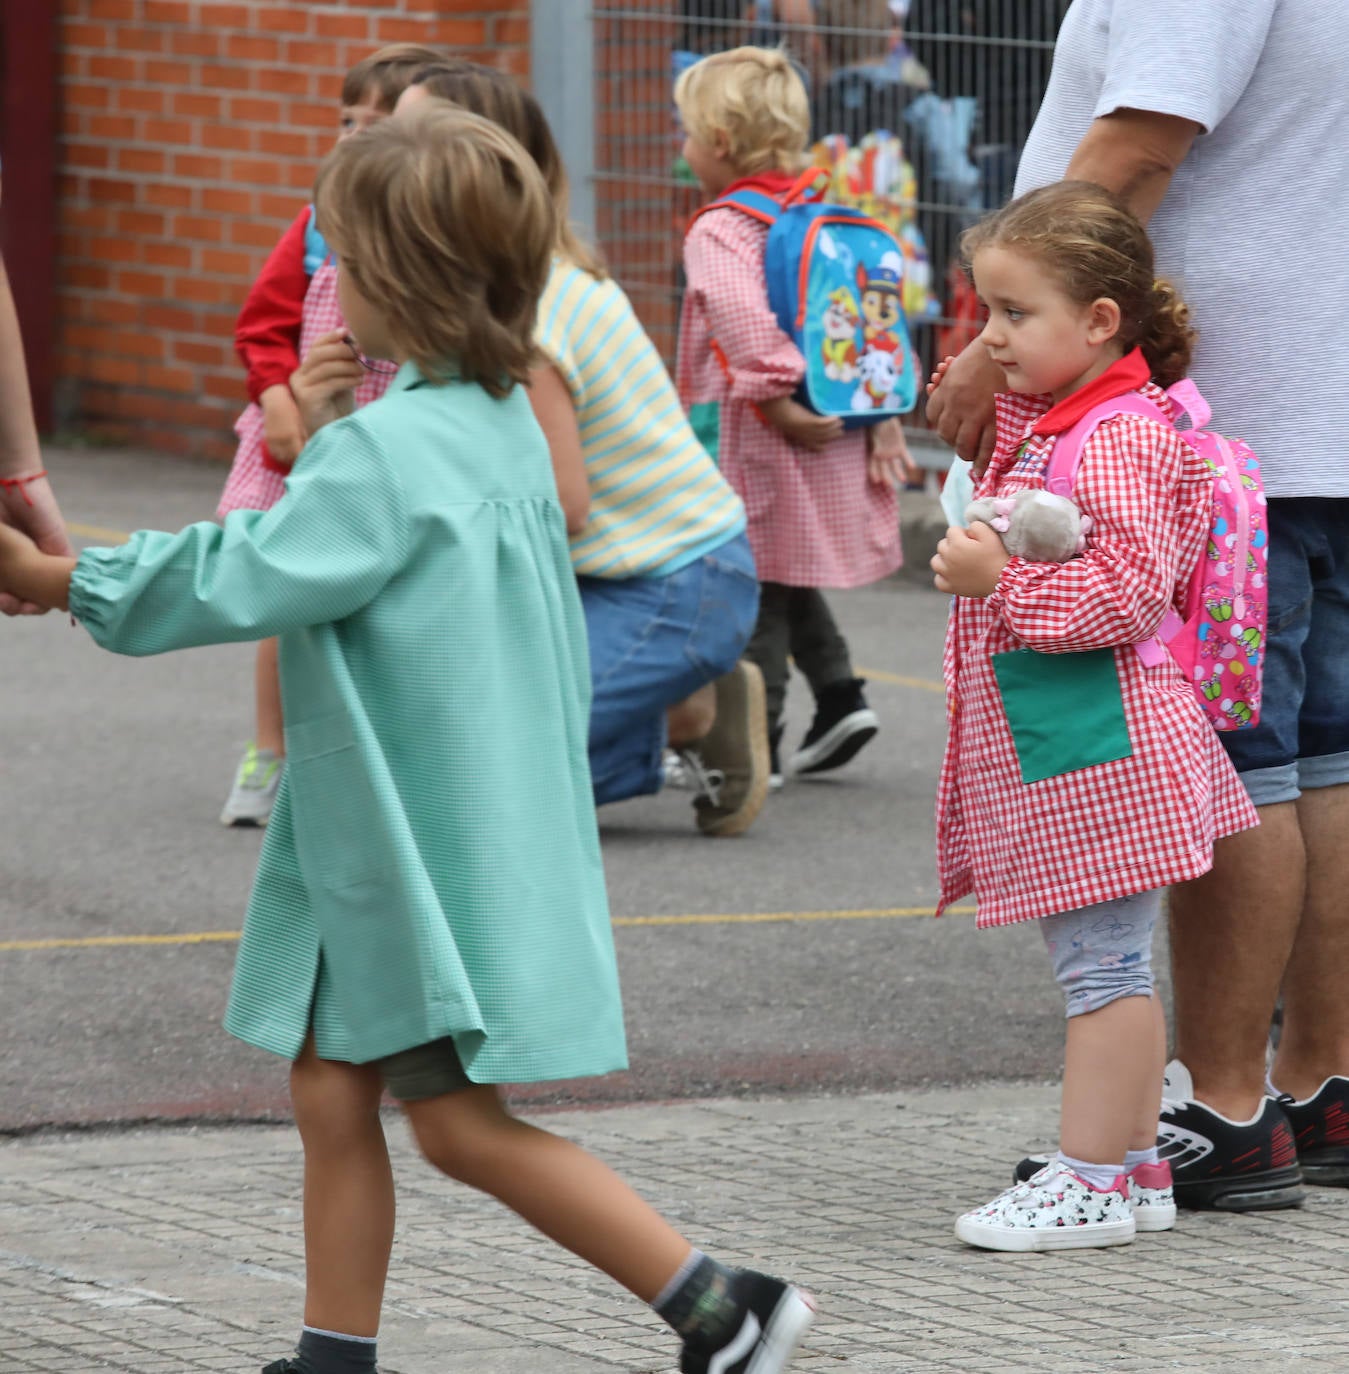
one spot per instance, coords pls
(705, 417)
(1066, 711)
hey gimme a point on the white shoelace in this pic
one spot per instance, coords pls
(685, 771)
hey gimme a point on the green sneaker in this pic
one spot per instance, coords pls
(254, 791)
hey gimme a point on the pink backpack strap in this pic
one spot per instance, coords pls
(1066, 456)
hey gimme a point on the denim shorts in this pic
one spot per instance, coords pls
(653, 642)
(1302, 741)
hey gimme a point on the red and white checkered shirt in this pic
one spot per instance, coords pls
(813, 518)
(1145, 822)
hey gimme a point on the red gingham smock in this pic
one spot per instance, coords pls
(1114, 829)
(813, 518)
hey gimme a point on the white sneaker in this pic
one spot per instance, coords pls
(1053, 1210)
(254, 792)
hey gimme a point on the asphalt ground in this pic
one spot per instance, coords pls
(801, 957)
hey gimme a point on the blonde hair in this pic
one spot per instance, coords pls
(444, 224)
(756, 100)
(1087, 239)
(386, 74)
(495, 96)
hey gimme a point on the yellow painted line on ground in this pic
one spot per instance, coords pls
(206, 937)
(899, 680)
(97, 532)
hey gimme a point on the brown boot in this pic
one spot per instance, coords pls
(737, 748)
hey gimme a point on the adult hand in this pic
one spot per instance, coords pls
(282, 427)
(801, 426)
(324, 384)
(30, 510)
(960, 404)
(969, 562)
(889, 462)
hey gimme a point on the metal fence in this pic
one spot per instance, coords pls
(919, 117)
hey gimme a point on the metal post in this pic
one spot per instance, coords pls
(562, 53)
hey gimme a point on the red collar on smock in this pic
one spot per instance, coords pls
(775, 184)
(1128, 374)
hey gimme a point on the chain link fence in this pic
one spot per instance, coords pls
(919, 112)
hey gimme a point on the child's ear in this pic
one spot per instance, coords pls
(1103, 320)
(721, 144)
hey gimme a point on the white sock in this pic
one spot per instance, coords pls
(1100, 1176)
(1271, 1090)
(1133, 1158)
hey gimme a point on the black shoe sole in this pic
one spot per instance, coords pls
(842, 753)
(1269, 1191)
(1327, 1168)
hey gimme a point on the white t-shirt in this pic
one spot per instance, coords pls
(1254, 229)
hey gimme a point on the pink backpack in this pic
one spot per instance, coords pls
(1217, 635)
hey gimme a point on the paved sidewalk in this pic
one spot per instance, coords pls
(164, 1251)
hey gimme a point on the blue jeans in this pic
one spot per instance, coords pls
(653, 642)
(1302, 740)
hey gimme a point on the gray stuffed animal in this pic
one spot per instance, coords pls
(1034, 524)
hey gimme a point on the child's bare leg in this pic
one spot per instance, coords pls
(689, 720)
(553, 1184)
(267, 686)
(1144, 1135)
(1109, 1069)
(348, 1193)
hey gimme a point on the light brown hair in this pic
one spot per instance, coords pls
(495, 96)
(445, 225)
(756, 100)
(385, 75)
(1087, 239)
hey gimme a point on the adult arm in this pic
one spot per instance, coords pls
(1134, 153)
(556, 414)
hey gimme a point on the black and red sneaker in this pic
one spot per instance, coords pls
(1222, 1165)
(1321, 1133)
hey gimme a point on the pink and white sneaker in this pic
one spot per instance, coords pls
(1052, 1210)
(1150, 1196)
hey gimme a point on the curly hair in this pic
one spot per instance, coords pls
(443, 221)
(1094, 247)
(754, 98)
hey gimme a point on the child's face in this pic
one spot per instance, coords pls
(1042, 339)
(709, 163)
(354, 118)
(369, 326)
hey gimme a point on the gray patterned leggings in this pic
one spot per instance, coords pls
(1103, 952)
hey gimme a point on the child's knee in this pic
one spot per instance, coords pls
(463, 1134)
(334, 1102)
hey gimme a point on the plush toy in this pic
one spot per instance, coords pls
(1034, 524)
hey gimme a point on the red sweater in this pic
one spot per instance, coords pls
(267, 335)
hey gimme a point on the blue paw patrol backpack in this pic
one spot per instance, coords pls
(836, 284)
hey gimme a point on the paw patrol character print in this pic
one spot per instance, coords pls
(879, 373)
(882, 289)
(841, 320)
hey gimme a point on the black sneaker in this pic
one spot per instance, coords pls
(282, 1367)
(843, 724)
(1222, 1165)
(775, 1318)
(1321, 1132)
(774, 758)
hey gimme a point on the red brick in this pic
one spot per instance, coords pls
(177, 256)
(149, 101)
(140, 284)
(225, 264)
(107, 68)
(252, 48)
(170, 317)
(87, 276)
(97, 36)
(312, 116)
(198, 167)
(85, 96)
(110, 9)
(257, 172)
(228, 138)
(211, 354)
(285, 144)
(120, 371)
(355, 26)
(169, 379)
(114, 248)
(506, 32)
(251, 110)
(227, 388)
(88, 155)
(280, 81)
(319, 56)
(225, 16)
(226, 77)
(109, 189)
(145, 160)
(193, 105)
(140, 223)
(107, 311)
(199, 228)
(404, 30)
(194, 43)
(95, 217)
(180, 132)
(247, 233)
(119, 127)
(223, 200)
(283, 19)
(130, 38)
(169, 196)
(167, 12)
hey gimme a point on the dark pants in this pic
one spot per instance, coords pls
(796, 625)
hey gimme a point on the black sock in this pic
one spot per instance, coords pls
(329, 1352)
(703, 1307)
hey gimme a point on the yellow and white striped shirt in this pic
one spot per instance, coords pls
(657, 500)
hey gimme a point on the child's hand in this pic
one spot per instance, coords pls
(936, 379)
(38, 581)
(889, 462)
(969, 562)
(324, 384)
(801, 426)
(282, 427)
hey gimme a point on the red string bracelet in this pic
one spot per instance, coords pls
(7, 482)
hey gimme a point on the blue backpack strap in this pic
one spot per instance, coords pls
(316, 250)
(757, 204)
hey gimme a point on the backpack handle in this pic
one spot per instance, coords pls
(810, 185)
(1185, 395)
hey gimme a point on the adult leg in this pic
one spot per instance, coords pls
(348, 1193)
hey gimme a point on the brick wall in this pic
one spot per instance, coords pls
(190, 136)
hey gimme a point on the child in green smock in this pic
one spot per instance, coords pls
(429, 913)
